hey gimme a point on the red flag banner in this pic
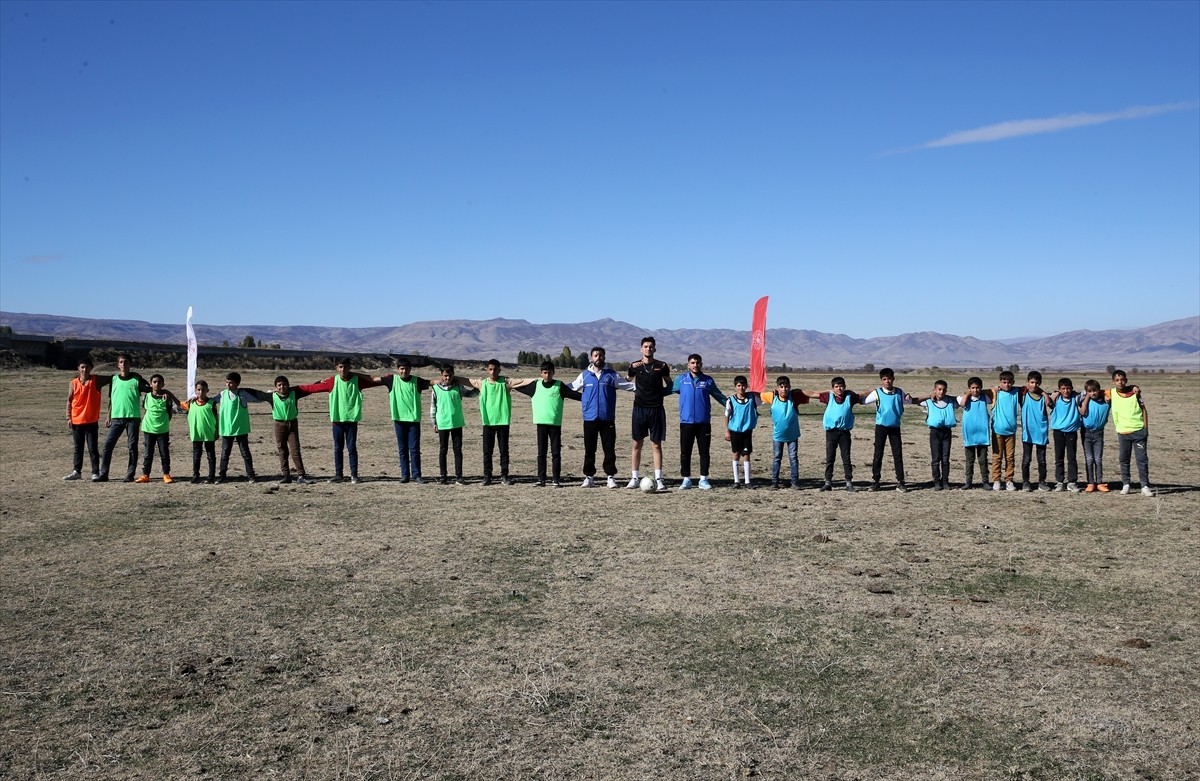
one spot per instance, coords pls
(758, 347)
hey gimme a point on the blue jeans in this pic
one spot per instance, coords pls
(793, 449)
(408, 442)
(345, 437)
(1134, 443)
(1093, 454)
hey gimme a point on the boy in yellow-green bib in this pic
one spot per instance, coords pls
(160, 404)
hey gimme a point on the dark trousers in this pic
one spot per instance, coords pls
(1093, 455)
(1027, 459)
(606, 432)
(131, 427)
(86, 434)
(345, 439)
(446, 437)
(549, 438)
(408, 443)
(1134, 443)
(243, 443)
(837, 439)
(940, 438)
(200, 447)
(493, 436)
(163, 443)
(1066, 443)
(890, 434)
(287, 442)
(977, 453)
(699, 434)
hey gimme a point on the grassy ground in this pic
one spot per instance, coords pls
(388, 631)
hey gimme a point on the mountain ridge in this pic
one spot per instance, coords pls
(1171, 344)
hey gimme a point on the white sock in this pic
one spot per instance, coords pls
(746, 469)
(636, 475)
(735, 470)
(658, 474)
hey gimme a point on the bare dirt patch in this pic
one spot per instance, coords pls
(388, 631)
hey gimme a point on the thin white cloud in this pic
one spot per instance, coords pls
(1031, 127)
(43, 259)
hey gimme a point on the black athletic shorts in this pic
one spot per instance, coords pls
(649, 421)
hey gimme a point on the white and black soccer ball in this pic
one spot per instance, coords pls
(647, 485)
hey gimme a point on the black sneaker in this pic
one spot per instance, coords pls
(774, 485)
(335, 479)
(196, 480)
(487, 481)
(902, 488)
(419, 480)
(827, 486)
(459, 481)
(220, 480)
(129, 479)
(558, 483)
(508, 480)
(403, 479)
(540, 483)
(873, 487)
(445, 480)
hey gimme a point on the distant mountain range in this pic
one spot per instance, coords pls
(1174, 344)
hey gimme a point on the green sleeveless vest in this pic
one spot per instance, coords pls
(345, 401)
(449, 407)
(124, 400)
(234, 417)
(495, 403)
(284, 408)
(405, 400)
(202, 422)
(548, 404)
(157, 419)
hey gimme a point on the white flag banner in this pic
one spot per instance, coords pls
(191, 347)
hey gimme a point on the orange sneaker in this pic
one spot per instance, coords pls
(142, 479)
(168, 479)
(1102, 487)
(1090, 489)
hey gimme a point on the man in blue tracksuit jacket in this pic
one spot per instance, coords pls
(599, 384)
(696, 391)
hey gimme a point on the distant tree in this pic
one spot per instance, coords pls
(1014, 368)
(248, 341)
(869, 368)
(1134, 370)
(1162, 371)
(6, 330)
(999, 369)
(1108, 370)
(225, 343)
(274, 346)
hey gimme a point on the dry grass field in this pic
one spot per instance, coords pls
(389, 631)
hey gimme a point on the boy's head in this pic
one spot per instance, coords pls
(1119, 374)
(447, 372)
(1007, 376)
(1092, 388)
(1033, 380)
(939, 388)
(783, 385)
(342, 366)
(975, 386)
(1120, 380)
(1065, 385)
(156, 382)
(124, 362)
(403, 367)
(887, 378)
(493, 369)
(201, 388)
(233, 380)
(597, 356)
(282, 386)
(547, 370)
(838, 384)
(85, 367)
(695, 363)
(741, 384)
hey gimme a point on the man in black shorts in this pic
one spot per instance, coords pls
(652, 383)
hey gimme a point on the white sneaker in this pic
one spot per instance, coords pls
(687, 483)
(95, 477)
(1073, 488)
(850, 487)
(996, 486)
(1060, 487)
(72, 476)
(588, 482)
(1146, 491)
(633, 482)
(1125, 489)
(659, 485)
(1011, 486)
(612, 482)
(705, 485)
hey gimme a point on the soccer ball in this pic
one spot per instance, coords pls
(647, 485)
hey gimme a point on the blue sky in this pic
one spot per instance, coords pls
(984, 169)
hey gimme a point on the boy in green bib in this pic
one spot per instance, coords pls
(124, 415)
(495, 412)
(547, 397)
(446, 409)
(202, 430)
(233, 422)
(345, 411)
(404, 400)
(160, 404)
